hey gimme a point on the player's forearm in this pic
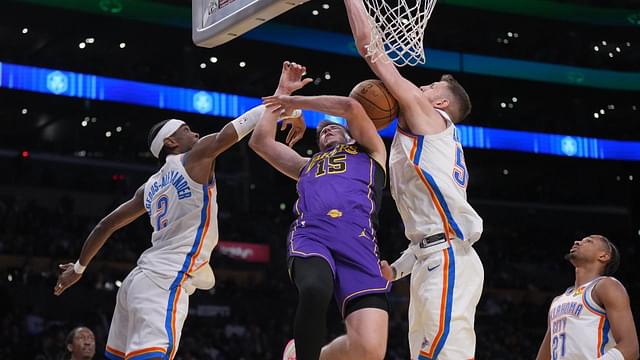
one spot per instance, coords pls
(628, 348)
(333, 105)
(94, 242)
(241, 126)
(264, 134)
(359, 22)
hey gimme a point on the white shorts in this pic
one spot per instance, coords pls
(147, 321)
(445, 290)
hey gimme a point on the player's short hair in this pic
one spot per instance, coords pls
(152, 134)
(72, 334)
(323, 124)
(614, 257)
(461, 106)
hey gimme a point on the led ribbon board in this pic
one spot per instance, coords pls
(94, 87)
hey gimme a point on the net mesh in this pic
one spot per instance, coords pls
(397, 30)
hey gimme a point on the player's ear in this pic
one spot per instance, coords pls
(441, 103)
(604, 257)
(70, 347)
(170, 142)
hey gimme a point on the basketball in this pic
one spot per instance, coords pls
(377, 101)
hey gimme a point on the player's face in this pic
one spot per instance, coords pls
(590, 248)
(435, 90)
(331, 135)
(185, 138)
(84, 344)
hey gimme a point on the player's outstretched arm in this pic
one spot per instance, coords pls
(263, 142)
(402, 89)
(615, 301)
(360, 125)
(416, 111)
(544, 353)
(118, 218)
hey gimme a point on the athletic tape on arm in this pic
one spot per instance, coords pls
(404, 264)
(246, 122)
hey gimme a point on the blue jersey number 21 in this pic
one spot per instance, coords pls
(460, 168)
(162, 206)
(557, 346)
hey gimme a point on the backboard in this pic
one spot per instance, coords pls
(214, 22)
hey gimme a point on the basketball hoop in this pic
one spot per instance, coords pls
(397, 30)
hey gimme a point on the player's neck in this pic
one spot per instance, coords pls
(586, 273)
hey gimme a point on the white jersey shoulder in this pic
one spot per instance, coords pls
(578, 326)
(183, 214)
(429, 184)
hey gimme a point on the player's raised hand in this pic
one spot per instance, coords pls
(387, 270)
(291, 78)
(66, 278)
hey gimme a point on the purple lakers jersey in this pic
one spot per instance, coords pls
(340, 182)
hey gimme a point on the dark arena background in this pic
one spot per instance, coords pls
(552, 146)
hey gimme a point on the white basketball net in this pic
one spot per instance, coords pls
(397, 29)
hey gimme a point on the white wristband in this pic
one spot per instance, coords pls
(404, 265)
(77, 268)
(246, 122)
(612, 354)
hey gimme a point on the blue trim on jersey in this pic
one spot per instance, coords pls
(447, 317)
(150, 355)
(448, 306)
(436, 190)
(112, 356)
(605, 335)
(185, 267)
(591, 307)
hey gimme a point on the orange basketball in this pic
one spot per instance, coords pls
(377, 101)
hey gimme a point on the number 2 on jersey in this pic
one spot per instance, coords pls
(162, 206)
(460, 168)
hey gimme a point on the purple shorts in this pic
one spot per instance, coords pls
(349, 247)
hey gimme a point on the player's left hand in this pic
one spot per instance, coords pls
(67, 278)
(387, 270)
(279, 103)
(298, 127)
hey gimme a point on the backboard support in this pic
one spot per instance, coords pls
(215, 22)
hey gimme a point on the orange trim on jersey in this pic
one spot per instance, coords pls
(204, 232)
(200, 266)
(443, 305)
(115, 352)
(603, 318)
(448, 230)
(144, 351)
(173, 322)
(600, 335)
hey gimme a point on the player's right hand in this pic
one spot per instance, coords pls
(387, 270)
(67, 278)
(298, 126)
(291, 78)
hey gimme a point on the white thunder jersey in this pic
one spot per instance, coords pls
(579, 327)
(183, 214)
(429, 181)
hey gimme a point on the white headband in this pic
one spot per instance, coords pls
(167, 130)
